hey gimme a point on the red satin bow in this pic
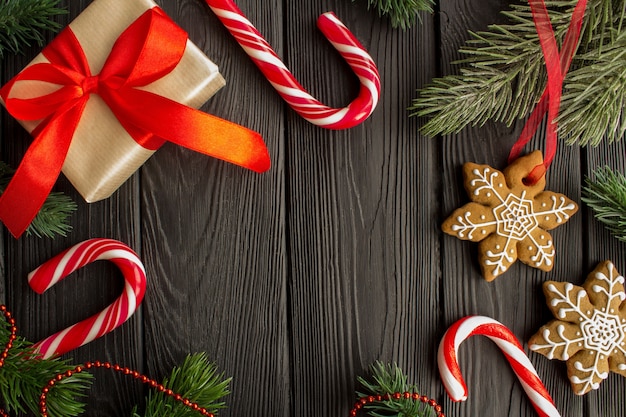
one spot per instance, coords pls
(148, 49)
(557, 66)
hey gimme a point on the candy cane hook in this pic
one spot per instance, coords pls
(59, 267)
(285, 83)
(510, 346)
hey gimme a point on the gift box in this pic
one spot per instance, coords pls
(103, 155)
(108, 91)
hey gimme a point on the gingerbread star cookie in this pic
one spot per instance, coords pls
(589, 332)
(509, 218)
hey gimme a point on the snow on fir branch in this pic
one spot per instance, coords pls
(402, 13)
(387, 379)
(23, 21)
(606, 196)
(53, 215)
(503, 76)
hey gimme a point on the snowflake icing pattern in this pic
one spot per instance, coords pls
(509, 218)
(590, 327)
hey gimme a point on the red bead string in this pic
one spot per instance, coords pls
(161, 388)
(43, 408)
(5, 352)
(9, 318)
(123, 370)
(396, 396)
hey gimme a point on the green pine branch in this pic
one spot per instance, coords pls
(402, 13)
(22, 21)
(503, 75)
(22, 378)
(594, 101)
(606, 196)
(53, 215)
(197, 380)
(389, 379)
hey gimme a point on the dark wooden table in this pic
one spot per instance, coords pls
(296, 280)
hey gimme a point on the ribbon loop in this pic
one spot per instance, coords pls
(150, 48)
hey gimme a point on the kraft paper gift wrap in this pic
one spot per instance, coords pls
(102, 155)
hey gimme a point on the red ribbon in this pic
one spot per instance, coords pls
(557, 66)
(148, 49)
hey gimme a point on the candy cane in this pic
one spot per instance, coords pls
(285, 83)
(510, 346)
(57, 268)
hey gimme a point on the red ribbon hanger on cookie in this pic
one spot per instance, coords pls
(557, 66)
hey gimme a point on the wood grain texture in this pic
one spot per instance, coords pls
(602, 246)
(87, 291)
(515, 298)
(296, 280)
(363, 282)
(213, 235)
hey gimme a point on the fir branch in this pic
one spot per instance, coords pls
(497, 61)
(602, 17)
(197, 380)
(503, 73)
(389, 379)
(594, 101)
(53, 215)
(606, 196)
(22, 21)
(403, 13)
(23, 376)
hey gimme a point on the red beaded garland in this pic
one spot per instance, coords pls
(13, 335)
(397, 395)
(123, 370)
(43, 398)
(13, 329)
(177, 397)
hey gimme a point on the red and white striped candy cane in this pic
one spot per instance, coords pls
(285, 83)
(57, 268)
(510, 346)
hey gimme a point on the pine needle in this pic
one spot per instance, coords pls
(22, 378)
(197, 380)
(389, 379)
(22, 21)
(606, 196)
(503, 76)
(402, 13)
(594, 100)
(53, 215)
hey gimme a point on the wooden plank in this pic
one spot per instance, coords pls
(296, 280)
(214, 234)
(364, 273)
(610, 397)
(515, 299)
(91, 288)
